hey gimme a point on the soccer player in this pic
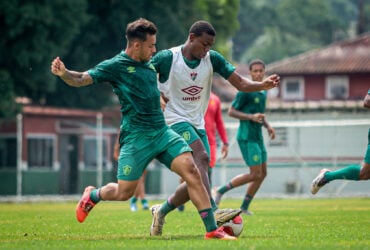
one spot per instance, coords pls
(249, 108)
(355, 172)
(144, 134)
(140, 188)
(215, 123)
(185, 78)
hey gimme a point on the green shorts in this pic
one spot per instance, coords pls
(191, 134)
(139, 149)
(367, 154)
(254, 153)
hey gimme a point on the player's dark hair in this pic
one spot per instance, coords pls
(200, 27)
(139, 29)
(256, 61)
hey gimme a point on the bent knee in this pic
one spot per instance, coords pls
(124, 197)
(258, 176)
(191, 173)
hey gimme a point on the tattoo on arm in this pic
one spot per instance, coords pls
(77, 79)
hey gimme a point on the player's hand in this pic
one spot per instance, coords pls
(258, 117)
(224, 151)
(57, 67)
(164, 101)
(271, 82)
(271, 132)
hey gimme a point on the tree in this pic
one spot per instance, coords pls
(83, 33)
(283, 28)
(31, 33)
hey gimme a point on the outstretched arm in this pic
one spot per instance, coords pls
(72, 78)
(257, 117)
(246, 85)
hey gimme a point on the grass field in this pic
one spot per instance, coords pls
(277, 224)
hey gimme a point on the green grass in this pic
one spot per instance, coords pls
(277, 224)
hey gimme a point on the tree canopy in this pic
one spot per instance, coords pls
(85, 32)
(275, 29)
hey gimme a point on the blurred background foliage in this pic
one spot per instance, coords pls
(85, 32)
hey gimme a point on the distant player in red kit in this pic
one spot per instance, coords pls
(214, 123)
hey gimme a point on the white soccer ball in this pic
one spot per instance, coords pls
(234, 227)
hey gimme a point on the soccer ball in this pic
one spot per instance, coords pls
(234, 227)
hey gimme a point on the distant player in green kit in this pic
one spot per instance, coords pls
(144, 134)
(352, 172)
(249, 108)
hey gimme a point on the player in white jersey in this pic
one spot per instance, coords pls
(185, 78)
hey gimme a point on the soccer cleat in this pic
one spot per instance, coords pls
(157, 222)
(220, 234)
(319, 181)
(145, 206)
(133, 207)
(216, 196)
(224, 215)
(85, 205)
(247, 212)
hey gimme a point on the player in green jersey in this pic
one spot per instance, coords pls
(249, 108)
(354, 172)
(144, 134)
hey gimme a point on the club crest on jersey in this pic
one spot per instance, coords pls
(127, 170)
(193, 75)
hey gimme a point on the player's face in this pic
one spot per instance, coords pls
(147, 48)
(257, 72)
(201, 45)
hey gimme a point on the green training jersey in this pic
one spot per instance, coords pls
(135, 84)
(162, 61)
(250, 103)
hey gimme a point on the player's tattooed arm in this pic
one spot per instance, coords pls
(76, 79)
(72, 78)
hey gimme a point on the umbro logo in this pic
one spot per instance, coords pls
(131, 69)
(192, 90)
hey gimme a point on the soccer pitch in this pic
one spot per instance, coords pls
(336, 223)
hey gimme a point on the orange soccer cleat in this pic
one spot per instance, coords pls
(219, 234)
(85, 205)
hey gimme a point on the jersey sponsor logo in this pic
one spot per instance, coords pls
(193, 75)
(193, 91)
(127, 170)
(131, 69)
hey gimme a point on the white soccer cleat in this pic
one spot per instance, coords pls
(319, 181)
(224, 215)
(216, 196)
(157, 221)
(133, 207)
